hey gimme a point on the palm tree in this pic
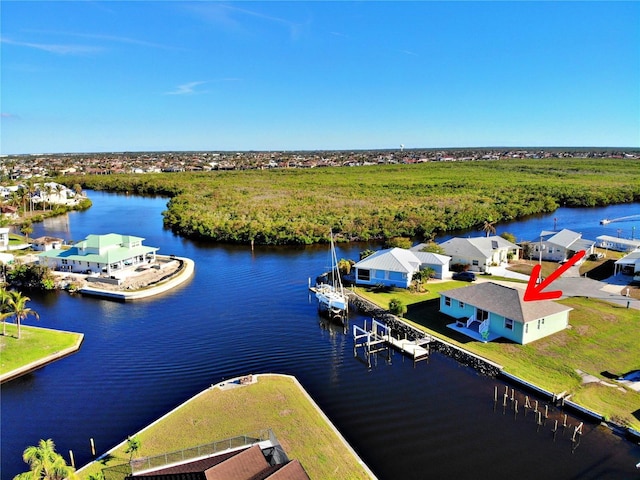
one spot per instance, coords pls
(45, 463)
(31, 190)
(26, 229)
(19, 310)
(489, 228)
(5, 311)
(49, 189)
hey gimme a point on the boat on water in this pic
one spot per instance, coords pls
(331, 295)
(605, 221)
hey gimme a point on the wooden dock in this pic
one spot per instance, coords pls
(378, 338)
(413, 348)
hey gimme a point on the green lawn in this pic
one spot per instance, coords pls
(34, 344)
(602, 340)
(273, 402)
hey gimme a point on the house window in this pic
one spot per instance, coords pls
(508, 324)
(481, 315)
(447, 301)
(526, 328)
(474, 263)
(460, 304)
(364, 275)
(65, 262)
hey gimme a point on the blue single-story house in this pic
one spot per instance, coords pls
(394, 267)
(488, 311)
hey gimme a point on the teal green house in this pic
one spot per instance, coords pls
(487, 311)
(106, 254)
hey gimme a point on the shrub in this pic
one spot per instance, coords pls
(397, 307)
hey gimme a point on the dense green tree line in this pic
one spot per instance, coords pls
(289, 206)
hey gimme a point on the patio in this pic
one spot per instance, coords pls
(472, 332)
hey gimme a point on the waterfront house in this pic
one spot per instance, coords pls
(245, 459)
(395, 267)
(488, 311)
(618, 244)
(629, 264)
(561, 246)
(108, 254)
(44, 244)
(480, 253)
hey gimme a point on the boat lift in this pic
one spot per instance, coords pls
(379, 339)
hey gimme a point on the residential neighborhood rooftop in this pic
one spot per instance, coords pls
(506, 301)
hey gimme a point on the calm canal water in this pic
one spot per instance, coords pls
(250, 312)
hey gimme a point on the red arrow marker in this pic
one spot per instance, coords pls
(534, 292)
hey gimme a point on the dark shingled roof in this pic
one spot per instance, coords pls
(506, 301)
(245, 464)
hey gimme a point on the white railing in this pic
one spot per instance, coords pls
(471, 319)
(484, 328)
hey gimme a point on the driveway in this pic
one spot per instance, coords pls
(571, 284)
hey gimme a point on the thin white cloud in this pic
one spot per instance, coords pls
(9, 116)
(59, 49)
(186, 89)
(231, 16)
(108, 38)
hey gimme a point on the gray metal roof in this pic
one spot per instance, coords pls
(506, 301)
(478, 247)
(391, 260)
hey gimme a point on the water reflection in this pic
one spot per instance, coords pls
(249, 312)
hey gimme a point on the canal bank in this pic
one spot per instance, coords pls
(43, 360)
(138, 286)
(249, 311)
(400, 327)
(250, 403)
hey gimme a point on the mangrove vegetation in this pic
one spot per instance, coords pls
(379, 202)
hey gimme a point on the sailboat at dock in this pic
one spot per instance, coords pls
(331, 295)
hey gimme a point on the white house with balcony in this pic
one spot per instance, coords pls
(106, 254)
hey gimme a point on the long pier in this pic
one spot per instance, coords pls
(378, 338)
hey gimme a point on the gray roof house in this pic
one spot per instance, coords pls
(394, 267)
(629, 264)
(560, 246)
(487, 311)
(480, 253)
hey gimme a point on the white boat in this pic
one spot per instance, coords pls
(331, 296)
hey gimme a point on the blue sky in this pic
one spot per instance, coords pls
(85, 76)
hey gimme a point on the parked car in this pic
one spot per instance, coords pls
(464, 276)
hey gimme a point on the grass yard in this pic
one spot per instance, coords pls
(273, 402)
(602, 341)
(35, 344)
